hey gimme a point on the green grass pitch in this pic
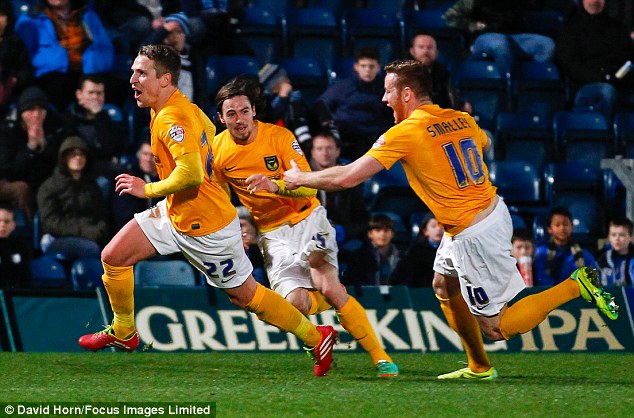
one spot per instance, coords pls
(282, 385)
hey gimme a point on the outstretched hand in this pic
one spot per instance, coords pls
(127, 184)
(292, 177)
(258, 182)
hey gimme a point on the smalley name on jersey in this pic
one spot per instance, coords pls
(453, 125)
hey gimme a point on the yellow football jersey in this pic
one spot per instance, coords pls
(270, 154)
(441, 151)
(180, 127)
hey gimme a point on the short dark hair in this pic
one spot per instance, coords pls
(327, 133)
(4, 205)
(558, 210)
(166, 60)
(623, 221)
(239, 86)
(522, 234)
(381, 221)
(412, 74)
(369, 52)
(93, 78)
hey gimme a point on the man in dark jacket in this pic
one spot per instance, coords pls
(346, 208)
(355, 105)
(28, 148)
(105, 136)
(592, 46)
(72, 209)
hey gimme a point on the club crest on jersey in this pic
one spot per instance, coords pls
(379, 142)
(271, 163)
(297, 148)
(177, 133)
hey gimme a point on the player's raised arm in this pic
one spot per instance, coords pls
(333, 178)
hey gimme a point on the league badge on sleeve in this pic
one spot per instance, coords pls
(297, 148)
(177, 133)
(379, 142)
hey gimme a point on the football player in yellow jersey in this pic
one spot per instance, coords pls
(196, 218)
(475, 275)
(297, 240)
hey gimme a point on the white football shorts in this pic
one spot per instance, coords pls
(480, 256)
(220, 256)
(286, 250)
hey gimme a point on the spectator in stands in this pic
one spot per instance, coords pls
(346, 208)
(125, 206)
(105, 137)
(499, 31)
(192, 81)
(29, 145)
(523, 250)
(592, 47)
(284, 106)
(276, 102)
(14, 252)
(129, 21)
(250, 238)
(617, 262)
(72, 210)
(561, 255)
(64, 39)
(16, 71)
(355, 105)
(377, 258)
(416, 268)
(425, 50)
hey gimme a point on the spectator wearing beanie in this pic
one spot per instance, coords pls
(29, 144)
(192, 81)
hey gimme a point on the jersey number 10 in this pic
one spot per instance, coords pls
(467, 156)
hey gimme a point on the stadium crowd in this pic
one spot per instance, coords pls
(69, 125)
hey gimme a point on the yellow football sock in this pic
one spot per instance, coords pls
(275, 310)
(530, 311)
(464, 323)
(318, 303)
(353, 318)
(119, 283)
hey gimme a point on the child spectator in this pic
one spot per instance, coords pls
(14, 253)
(377, 258)
(522, 249)
(617, 263)
(557, 259)
(72, 209)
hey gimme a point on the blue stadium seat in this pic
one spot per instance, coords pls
(389, 191)
(307, 76)
(524, 136)
(278, 7)
(158, 273)
(519, 183)
(579, 188)
(375, 27)
(583, 136)
(624, 134)
(265, 31)
(537, 87)
(138, 123)
(343, 67)
(85, 273)
(47, 272)
(482, 84)
(315, 29)
(596, 97)
(222, 68)
(393, 7)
